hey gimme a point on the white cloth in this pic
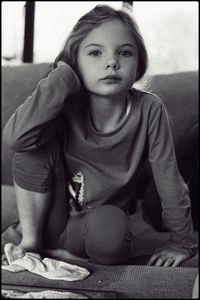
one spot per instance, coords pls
(19, 260)
(41, 295)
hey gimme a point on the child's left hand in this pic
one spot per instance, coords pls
(169, 257)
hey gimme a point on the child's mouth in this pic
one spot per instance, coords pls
(111, 79)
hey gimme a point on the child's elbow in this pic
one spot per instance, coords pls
(10, 141)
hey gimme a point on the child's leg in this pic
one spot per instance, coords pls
(108, 235)
(41, 195)
(103, 235)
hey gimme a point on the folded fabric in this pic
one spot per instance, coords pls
(41, 295)
(19, 260)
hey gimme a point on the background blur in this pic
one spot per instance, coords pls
(170, 31)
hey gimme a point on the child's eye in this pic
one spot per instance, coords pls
(125, 53)
(95, 53)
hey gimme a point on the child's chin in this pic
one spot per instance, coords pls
(108, 91)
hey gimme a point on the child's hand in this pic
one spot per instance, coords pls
(169, 257)
(74, 79)
(61, 63)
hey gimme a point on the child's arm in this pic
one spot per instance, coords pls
(172, 190)
(31, 125)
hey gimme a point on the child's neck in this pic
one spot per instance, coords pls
(107, 113)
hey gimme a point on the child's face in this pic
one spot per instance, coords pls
(108, 50)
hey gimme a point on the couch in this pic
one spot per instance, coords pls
(179, 93)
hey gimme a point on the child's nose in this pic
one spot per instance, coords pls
(112, 64)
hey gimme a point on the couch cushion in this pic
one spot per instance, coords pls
(179, 92)
(133, 282)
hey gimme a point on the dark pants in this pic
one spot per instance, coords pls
(102, 234)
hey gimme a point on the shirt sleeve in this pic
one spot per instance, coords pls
(33, 123)
(172, 189)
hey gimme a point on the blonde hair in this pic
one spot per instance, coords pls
(97, 16)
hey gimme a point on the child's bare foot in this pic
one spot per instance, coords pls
(30, 245)
(62, 254)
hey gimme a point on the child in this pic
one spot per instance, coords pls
(80, 141)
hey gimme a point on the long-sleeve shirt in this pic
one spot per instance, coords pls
(104, 167)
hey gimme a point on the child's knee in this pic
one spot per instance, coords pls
(33, 170)
(108, 237)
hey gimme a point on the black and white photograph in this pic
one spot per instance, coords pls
(100, 157)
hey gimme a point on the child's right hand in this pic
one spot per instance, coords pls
(169, 256)
(61, 63)
(74, 79)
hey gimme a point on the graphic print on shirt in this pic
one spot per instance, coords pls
(77, 189)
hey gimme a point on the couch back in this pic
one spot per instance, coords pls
(179, 93)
